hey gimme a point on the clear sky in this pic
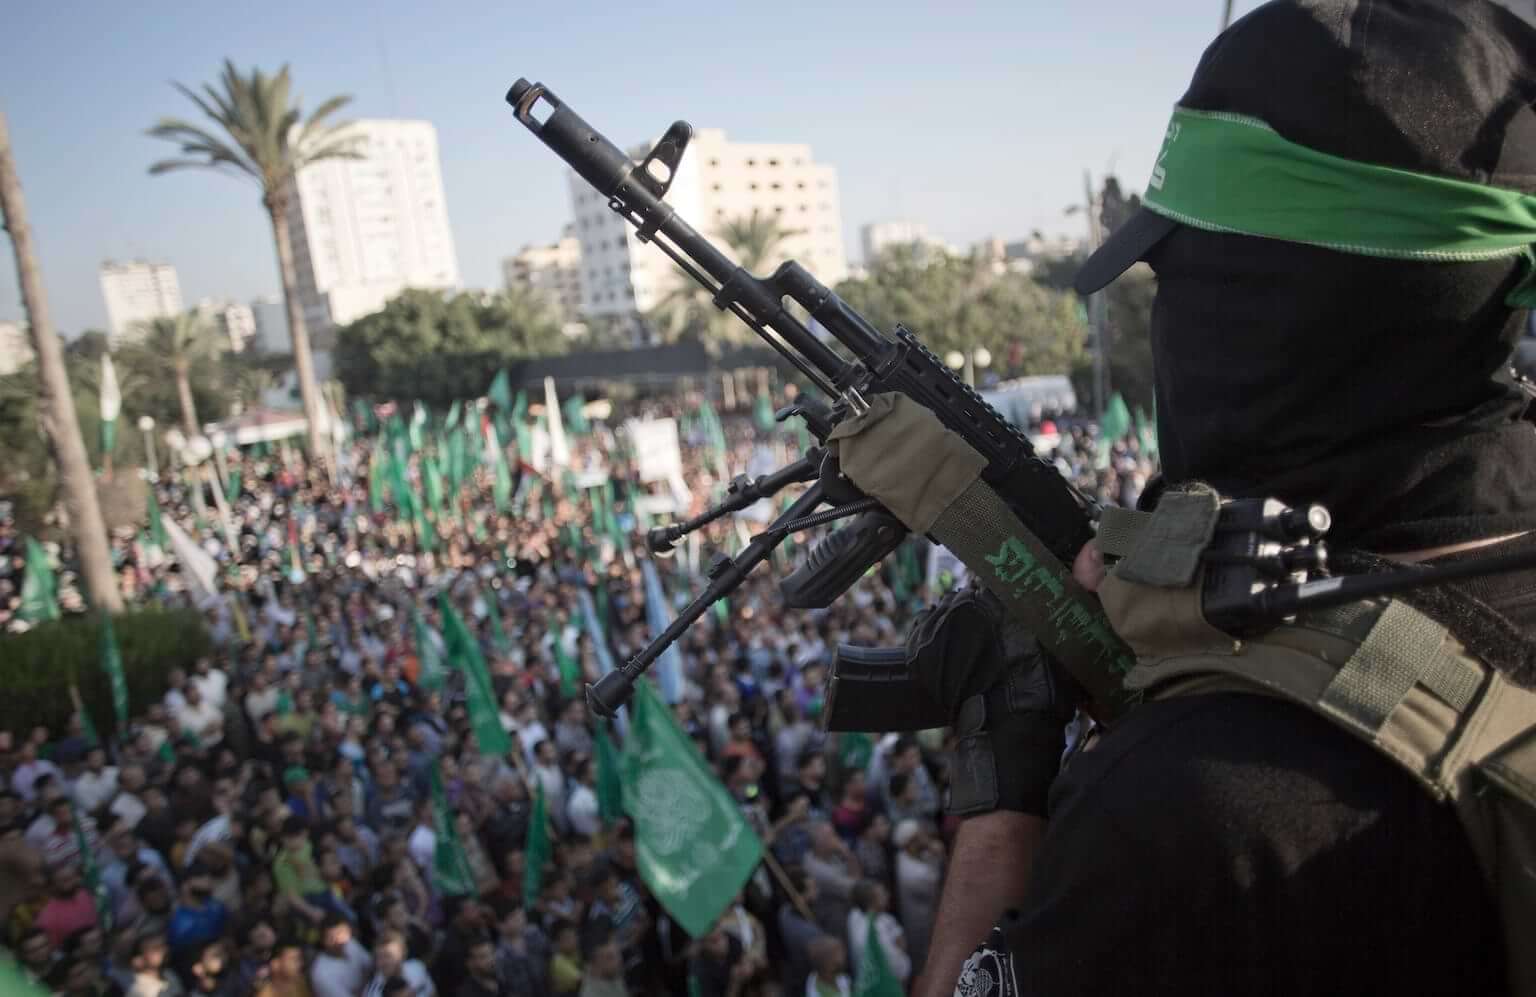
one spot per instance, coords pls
(975, 118)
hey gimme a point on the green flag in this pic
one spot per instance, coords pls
(875, 976)
(854, 750)
(566, 662)
(501, 480)
(39, 589)
(500, 391)
(693, 846)
(1146, 433)
(91, 873)
(156, 525)
(493, 613)
(429, 654)
(1115, 424)
(762, 412)
(88, 731)
(450, 866)
(536, 850)
(576, 415)
(464, 654)
(610, 785)
(112, 663)
(111, 405)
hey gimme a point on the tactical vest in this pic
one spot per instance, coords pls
(1380, 669)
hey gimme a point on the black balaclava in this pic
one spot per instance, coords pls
(1377, 387)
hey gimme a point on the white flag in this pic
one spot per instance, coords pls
(198, 572)
(111, 397)
(559, 451)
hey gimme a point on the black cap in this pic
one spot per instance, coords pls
(1434, 86)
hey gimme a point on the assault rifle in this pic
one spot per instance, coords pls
(1263, 560)
(872, 690)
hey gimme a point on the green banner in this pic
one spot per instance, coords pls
(464, 654)
(450, 866)
(610, 784)
(875, 977)
(39, 589)
(112, 663)
(693, 846)
(536, 847)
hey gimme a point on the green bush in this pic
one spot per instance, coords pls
(37, 667)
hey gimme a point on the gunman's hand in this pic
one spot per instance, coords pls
(1008, 703)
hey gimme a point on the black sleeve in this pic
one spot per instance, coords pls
(1239, 844)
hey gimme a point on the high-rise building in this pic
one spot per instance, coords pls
(137, 292)
(718, 181)
(366, 229)
(552, 272)
(877, 237)
(271, 320)
(235, 322)
(15, 347)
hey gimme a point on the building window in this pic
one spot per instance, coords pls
(778, 209)
(773, 162)
(776, 186)
(751, 186)
(799, 184)
(751, 162)
(715, 187)
(714, 162)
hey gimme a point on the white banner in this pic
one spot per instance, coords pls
(657, 454)
(945, 570)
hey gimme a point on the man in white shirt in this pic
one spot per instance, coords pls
(126, 806)
(30, 769)
(342, 966)
(211, 682)
(262, 699)
(198, 716)
(97, 784)
(581, 811)
(175, 697)
(389, 962)
(422, 844)
(873, 900)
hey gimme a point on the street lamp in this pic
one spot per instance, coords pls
(147, 427)
(979, 357)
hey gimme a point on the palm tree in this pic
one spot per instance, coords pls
(261, 137)
(756, 241)
(178, 343)
(57, 404)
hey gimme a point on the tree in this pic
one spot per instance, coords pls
(178, 343)
(433, 347)
(756, 241)
(269, 141)
(56, 409)
(960, 303)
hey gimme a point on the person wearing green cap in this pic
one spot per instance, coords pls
(1341, 219)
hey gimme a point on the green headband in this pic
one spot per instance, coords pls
(1228, 173)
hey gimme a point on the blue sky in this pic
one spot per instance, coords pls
(977, 119)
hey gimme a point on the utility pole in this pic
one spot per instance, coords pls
(1226, 15)
(1097, 304)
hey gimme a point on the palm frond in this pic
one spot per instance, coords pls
(256, 121)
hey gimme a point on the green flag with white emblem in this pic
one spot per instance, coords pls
(693, 846)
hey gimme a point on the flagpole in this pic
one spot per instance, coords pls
(794, 894)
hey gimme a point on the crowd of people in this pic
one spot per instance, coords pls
(267, 826)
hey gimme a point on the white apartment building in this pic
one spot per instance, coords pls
(235, 322)
(877, 237)
(15, 347)
(552, 272)
(137, 292)
(717, 181)
(366, 229)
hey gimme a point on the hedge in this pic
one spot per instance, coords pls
(37, 667)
